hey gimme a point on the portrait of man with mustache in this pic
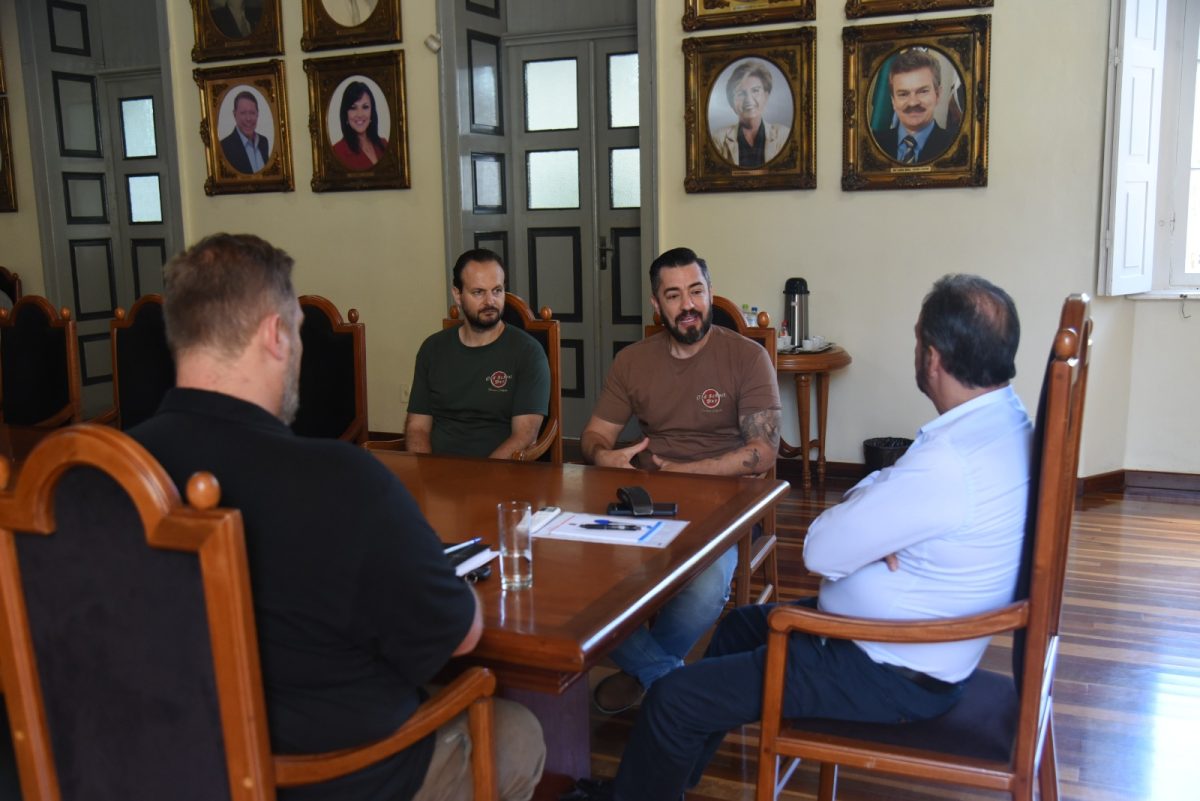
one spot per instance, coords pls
(915, 87)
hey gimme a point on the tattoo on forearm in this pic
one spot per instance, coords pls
(762, 425)
(751, 463)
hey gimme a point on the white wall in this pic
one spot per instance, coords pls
(869, 257)
(379, 251)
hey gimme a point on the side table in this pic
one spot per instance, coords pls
(806, 367)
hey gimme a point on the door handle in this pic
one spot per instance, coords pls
(604, 251)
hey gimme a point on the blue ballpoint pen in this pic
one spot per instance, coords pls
(458, 546)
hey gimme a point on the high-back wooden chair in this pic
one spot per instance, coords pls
(753, 553)
(1000, 734)
(333, 373)
(548, 445)
(143, 369)
(128, 656)
(10, 285)
(39, 365)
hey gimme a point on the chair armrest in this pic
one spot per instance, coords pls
(784, 619)
(385, 444)
(475, 685)
(539, 446)
(63, 417)
(105, 418)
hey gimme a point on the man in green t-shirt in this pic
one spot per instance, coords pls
(481, 389)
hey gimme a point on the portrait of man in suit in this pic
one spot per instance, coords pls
(911, 133)
(244, 147)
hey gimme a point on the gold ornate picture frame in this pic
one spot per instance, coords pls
(233, 100)
(330, 24)
(8, 188)
(225, 30)
(875, 8)
(916, 104)
(358, 122)
(703, 14)
(750, 103)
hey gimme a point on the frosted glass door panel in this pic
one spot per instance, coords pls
(625, 178)
(553, 179)
(623, 90)
(145, 200)
(550, 95)
(137, 123)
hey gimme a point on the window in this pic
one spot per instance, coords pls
(1151, 215)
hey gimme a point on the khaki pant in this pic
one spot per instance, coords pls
(520, 754)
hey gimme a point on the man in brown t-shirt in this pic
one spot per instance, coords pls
(707, 401)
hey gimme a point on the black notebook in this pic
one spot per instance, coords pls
(467, 558)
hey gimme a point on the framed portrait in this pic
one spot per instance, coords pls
(702, 14)
(358, 122)
(228, 29)
(750, 104)
(244, 127)
(916, 104)
(876, 8)
(349, 23)
(8, 190)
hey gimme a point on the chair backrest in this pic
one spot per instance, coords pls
(39, 365)
(726, 314)
(128, 655)
(333, 373)
(1057, 430)
(545, 330)
(10, 285)
(143, 369)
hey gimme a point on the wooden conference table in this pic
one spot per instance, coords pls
(586, 597)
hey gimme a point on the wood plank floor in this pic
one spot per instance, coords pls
(1127, 694)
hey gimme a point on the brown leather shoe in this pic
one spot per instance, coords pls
(617, 692)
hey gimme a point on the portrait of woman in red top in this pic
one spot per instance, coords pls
(361, 147)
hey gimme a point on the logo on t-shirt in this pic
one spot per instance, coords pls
(710, 398)
(499, 379)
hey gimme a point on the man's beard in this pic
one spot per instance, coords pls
(291, 389)
(692, 335)
(923, 373)
(479, 324)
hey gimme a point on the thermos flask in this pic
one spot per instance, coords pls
(795, 308)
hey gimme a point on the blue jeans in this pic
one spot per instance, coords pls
(685, 717)
(650, 653)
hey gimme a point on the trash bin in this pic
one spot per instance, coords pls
(882, 452)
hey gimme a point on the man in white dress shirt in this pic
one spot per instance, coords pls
(936, 535)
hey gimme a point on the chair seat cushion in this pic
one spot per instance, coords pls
(982, 725)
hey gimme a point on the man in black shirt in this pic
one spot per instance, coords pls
(356, 605)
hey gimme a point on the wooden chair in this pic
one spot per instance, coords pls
(39, 365)
(143, 368)
(333, 373)
(10, 285)
(753, 553)
(128, 653)
(548, 445)
(1000, 734)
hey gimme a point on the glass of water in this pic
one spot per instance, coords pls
(516, 544)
